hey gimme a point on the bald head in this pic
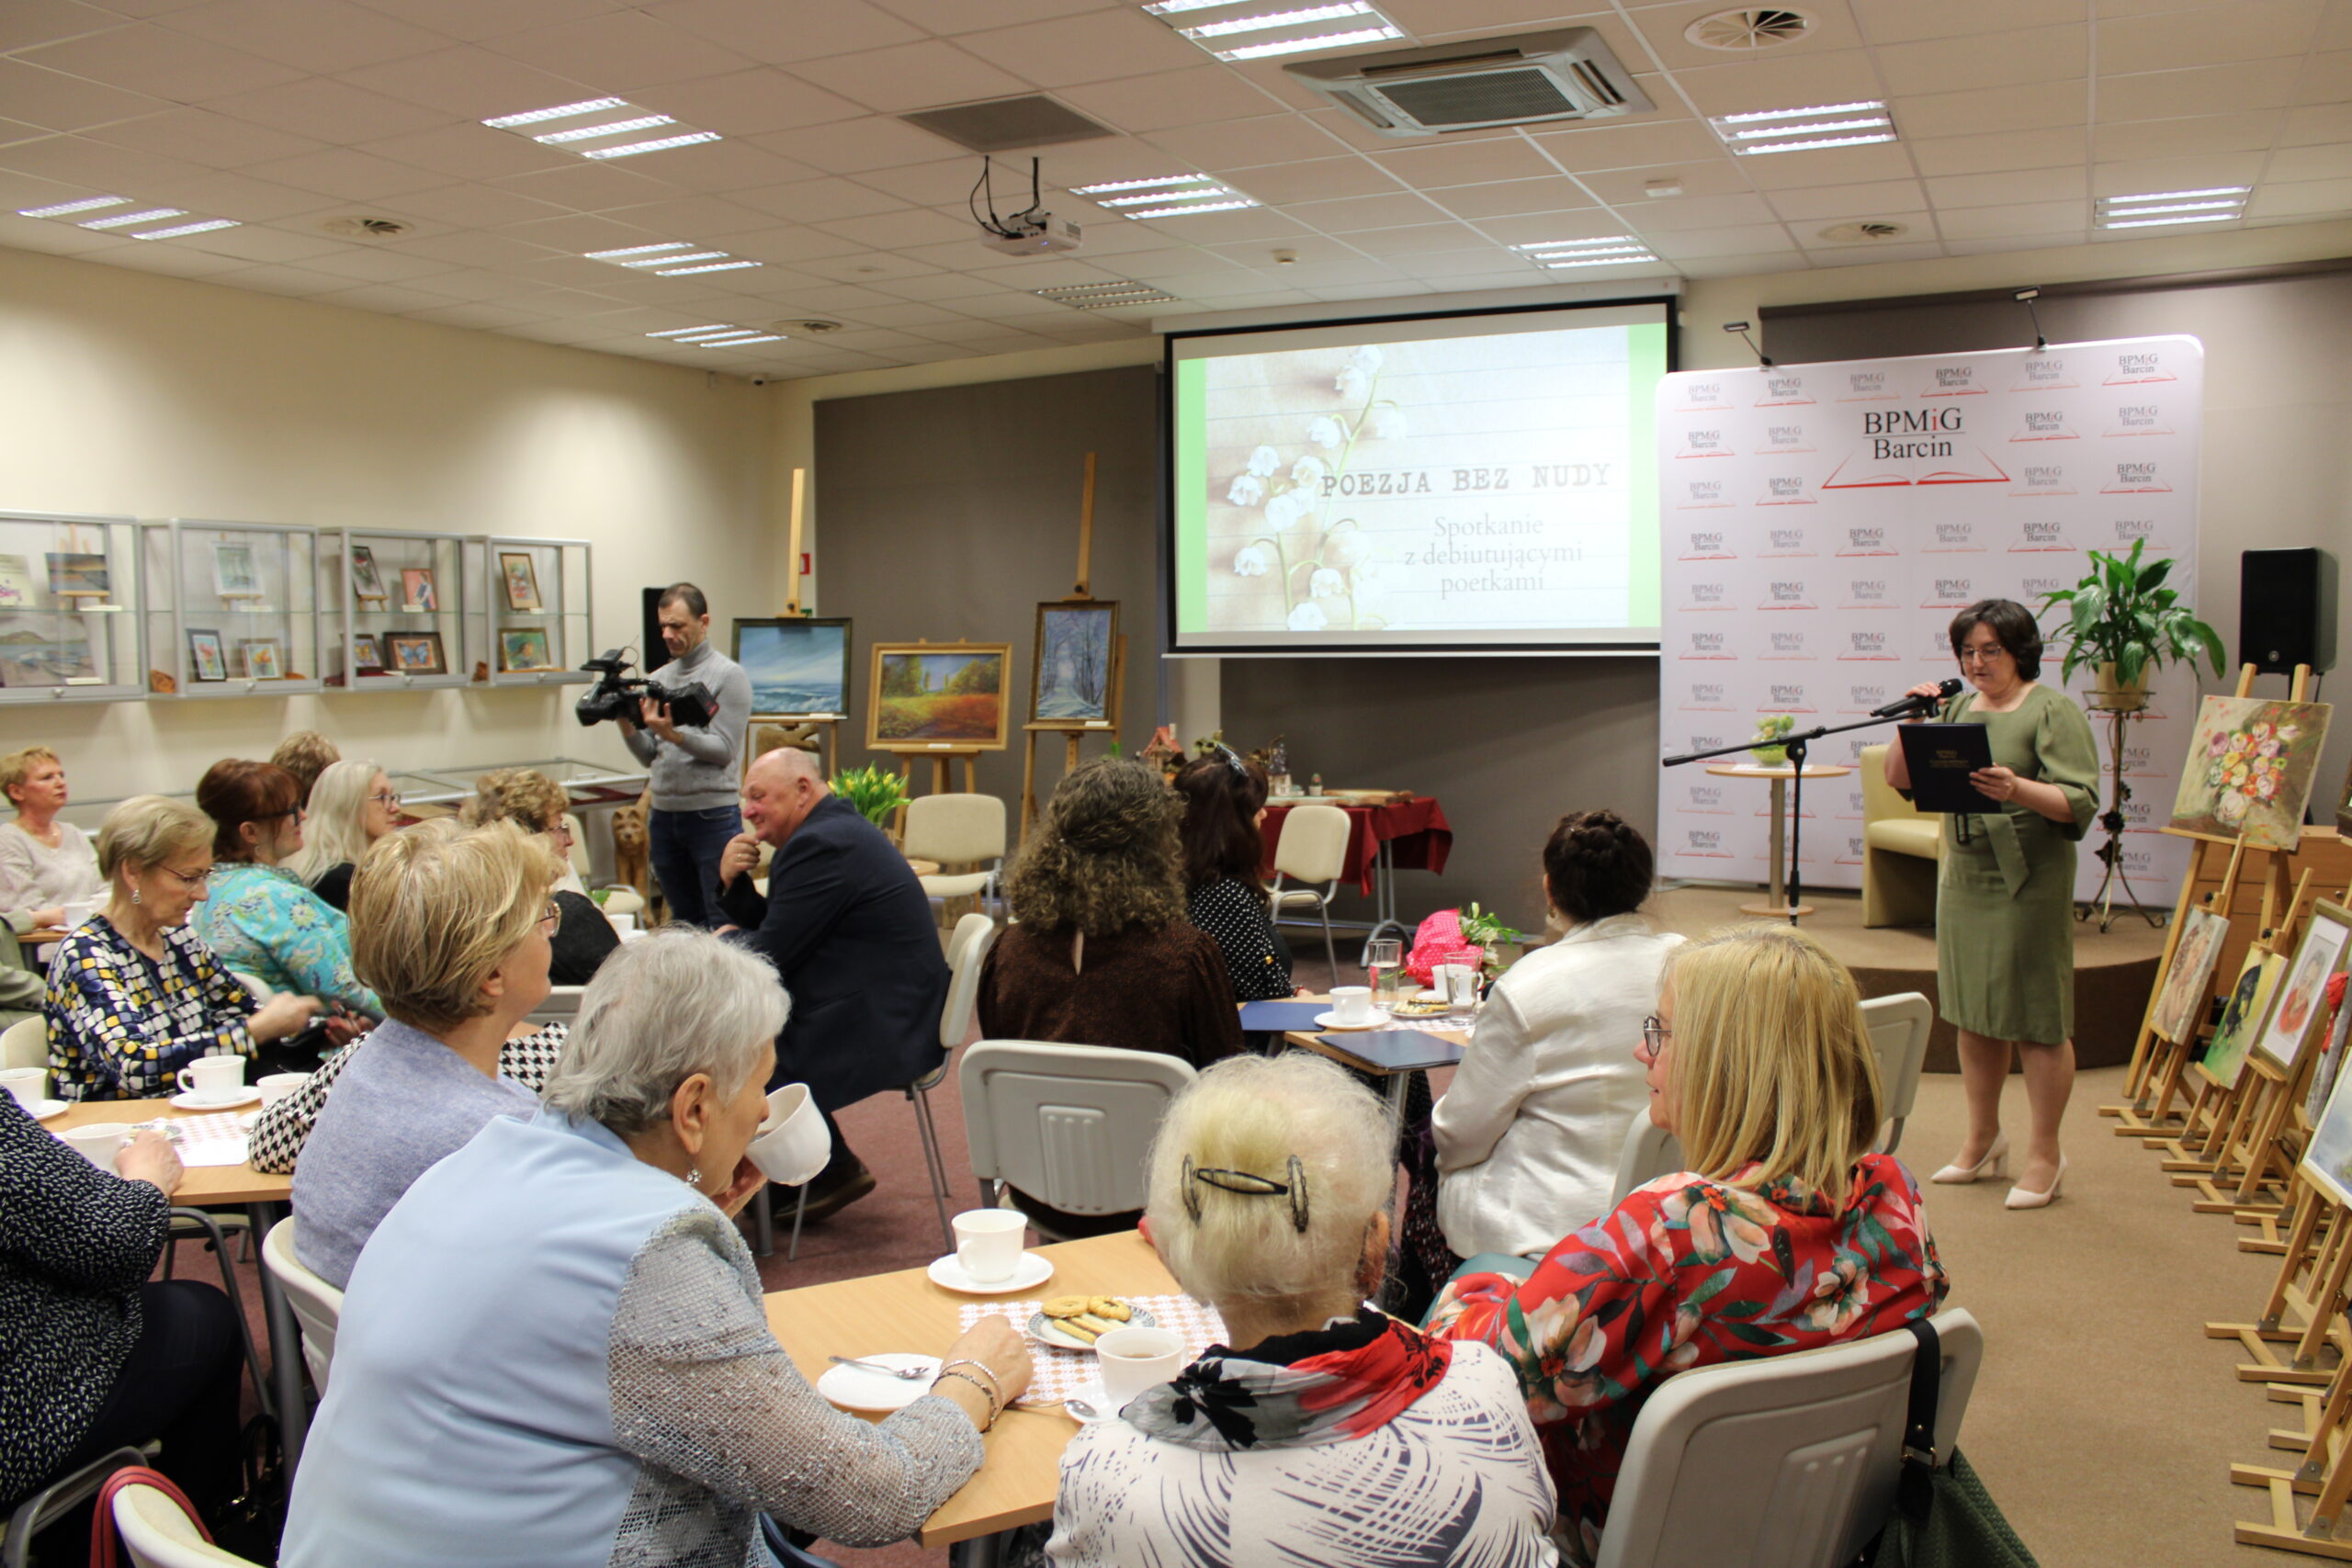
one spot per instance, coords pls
(782, 788)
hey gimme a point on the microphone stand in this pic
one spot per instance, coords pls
(1795, 745)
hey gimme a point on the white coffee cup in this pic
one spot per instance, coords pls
(1134, 1359)
(793, 1144)
(622, 923)
(213, 1077)
(987, 1243)
(79, 911)
(1351, 1004)
(277, 1085)
(28, 1084)
(99, 1141)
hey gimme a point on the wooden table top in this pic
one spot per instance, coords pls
(203, 1184)
(1312, 1039)
(922, 867)
(905, 1311)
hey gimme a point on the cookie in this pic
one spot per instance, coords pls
(1067, 1306)
(1111, 1307)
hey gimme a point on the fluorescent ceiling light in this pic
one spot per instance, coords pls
(1760, 131)
(67, 208)
(674, 261)
(2177, 207)
(1757, 133)
(1811, 145)
(691, 332)
(632, 149)
(1568, 244)
(1146, 197)
(1095, 189)
(2179, 195)
(150, 215)
(204, 228)
(1175, 193)
(585, 132)
(2155, 209)
(562, 111)
(738, 341)
(2160, 222)
(1263, 20)
(1180, 211)
(712, 266)
(1759, 117)
(1302, 45)
(639, 250)
(1599, 261)
(1177, 7)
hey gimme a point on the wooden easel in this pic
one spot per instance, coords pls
(825, 725)
(1072, 733)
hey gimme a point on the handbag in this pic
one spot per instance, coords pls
(1943, 1518)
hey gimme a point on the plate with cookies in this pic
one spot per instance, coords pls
(1074, 1323)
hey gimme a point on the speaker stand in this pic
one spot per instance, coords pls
(2111, 854)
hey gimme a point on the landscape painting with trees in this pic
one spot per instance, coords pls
(1075, 680)
(939, 694)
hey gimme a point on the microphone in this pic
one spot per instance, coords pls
(1904, 707)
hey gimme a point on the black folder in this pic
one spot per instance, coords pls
(1940, 757)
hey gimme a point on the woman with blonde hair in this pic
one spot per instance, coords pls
(1786, 1232)
(45, 864)
(450, 926)
(351, 806)
(1325, 1422)
(532, 801)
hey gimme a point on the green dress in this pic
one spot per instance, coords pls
(2005, 898)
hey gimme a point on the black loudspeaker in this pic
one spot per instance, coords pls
(651, 652)
(2286, 610)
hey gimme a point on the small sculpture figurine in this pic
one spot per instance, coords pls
(1315, 783)
(1278, 767)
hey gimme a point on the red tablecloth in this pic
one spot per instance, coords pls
(1416, 831)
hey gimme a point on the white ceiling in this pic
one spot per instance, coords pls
(283, 114)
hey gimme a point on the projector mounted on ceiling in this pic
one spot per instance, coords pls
(1566, 73)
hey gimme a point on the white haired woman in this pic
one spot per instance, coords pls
(351, 806)
(1329, 1433)
(554, 1350)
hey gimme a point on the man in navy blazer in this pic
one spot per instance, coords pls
(850, 931)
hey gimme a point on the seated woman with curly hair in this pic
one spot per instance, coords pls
(1101, 952)
(536, 803)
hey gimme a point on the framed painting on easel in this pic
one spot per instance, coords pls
(2188, 984)
(2325, 937)
(798, 665)
(2242, 1019)
(938, 696)
(1074, 680)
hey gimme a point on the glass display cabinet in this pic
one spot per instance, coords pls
(535, 611)
(399, 602)
(232, 608)
(69, 608)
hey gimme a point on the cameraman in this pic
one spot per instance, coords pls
(695, 784)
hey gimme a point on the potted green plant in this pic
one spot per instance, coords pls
(1501, 944)
(1767, 751)
(875, 792)
(2123, 621)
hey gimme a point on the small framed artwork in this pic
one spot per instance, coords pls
(2242, 1019)
(2343, 803)
(367, 582)
(418, 595)
(938, 697)
(798, 664)
(416, 653)
(2188, 984)
(78, 576)
(2331, 1063)
(2300, 1003)
(1075, 679)
(208, 660)
(263, 657)
(17, 586)
(234, 575)
(521, 579)
(367, 658)
(523, 649)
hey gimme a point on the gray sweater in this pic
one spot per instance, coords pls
(702, 771)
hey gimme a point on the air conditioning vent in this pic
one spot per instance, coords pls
(1536, 78)
(1745, 31)
(1864, 233)
(367, 228)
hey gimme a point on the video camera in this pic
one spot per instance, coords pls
(615, 697)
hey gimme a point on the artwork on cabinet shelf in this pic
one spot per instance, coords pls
(521, 576)
(234, 575)
(207, 658)
(367, 582)
(78, 576)
(416, 653)
(418, 595)
(367, 658)
(45, 650)
(523, 649)
(18, 588)
(263, 657)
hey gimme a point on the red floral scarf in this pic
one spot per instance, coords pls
(1331, 1385)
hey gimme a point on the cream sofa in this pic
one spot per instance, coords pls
(1900, 849)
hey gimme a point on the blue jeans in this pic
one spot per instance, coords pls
(685, 847)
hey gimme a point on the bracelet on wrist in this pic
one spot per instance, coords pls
(996, 1383)
(994, 1409)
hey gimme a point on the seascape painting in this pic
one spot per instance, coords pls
(796, 665)
(45, 650)
(947, 695)
(2249, 770)
(1074, 679)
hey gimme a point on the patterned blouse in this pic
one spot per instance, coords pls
(1232, 911)
(122, 1025)
(262, 922)
(1687, 1272)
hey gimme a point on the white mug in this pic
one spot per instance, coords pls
(1134, 1359)
(1351, 1004)
(277, 1085)
(79, 911)
(213, 1077)
(30, 1086)
(99, 1141)
(987, 1243)
(793, 1144)
(624, 924)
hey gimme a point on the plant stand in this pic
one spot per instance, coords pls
(2111, 854)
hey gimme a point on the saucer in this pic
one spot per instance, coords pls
(190, 1102)
(854, 1388)
(1034, 1269)
(1378, 1019)
(1093, 1391)
(44, 1110)
(1043, 1331)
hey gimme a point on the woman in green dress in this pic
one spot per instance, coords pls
(2005, 892)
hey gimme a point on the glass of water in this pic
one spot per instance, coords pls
(1461, 994)
(1384, 963)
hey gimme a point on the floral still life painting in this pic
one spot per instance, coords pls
(2250, 770)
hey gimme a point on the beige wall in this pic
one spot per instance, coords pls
(125, 393)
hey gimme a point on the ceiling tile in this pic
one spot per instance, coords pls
(721, 167)
(747, 103)
(330, 111)
(241, 196)
(1071, 50)
(391, 298)
(261, 242)
(1508, 198)
(1876, 253)
(1636, 145)
(1198, 95)
(469, 81)
(1745, 239)
(946, 286)
(60, 102)
(1423, 238)
(1592, 223)
(1872, 199)
(815, 201)
(372, 265)
(2335, 27)
(1662, 25)
(293, 281)
(2026, 217)
(2305, 198)
(170, 260)
(1782, 84)
(474, 21)
(950, 181)
(2034, 107)
(702, 219)
(2034, 54)
(793, 242)
(1321, 179)
(1216, 228)
(474, 249)
(1484, 262)
(1907, 21)
(2325, 79)
(473, 206)
(319, 35)
(2176, 173)
(1699, 212)
(908, 315)
(1465, 162)
(910, 76)
(1764, 264)
(761, 29)
(618, 51)
(479, 316)
(1920, 235)
(579, 232)
(2317, 125)
(2309, 163)
(55, 238)
(28, 24)
(347, 174)
(2252, 30)
(2161, 94)
(199, 136)
(2010, 186)
(2003, 149)
(1353, 214)
(2197, 133)
(1837, 166)
(591, 188)
(467, 150)
(853, 146)
(1245, 143)
(1719, 176)
(147, 58)
(76, 159)
(865, 267)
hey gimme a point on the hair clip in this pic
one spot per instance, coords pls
(1248, 1184)
(1233, 760)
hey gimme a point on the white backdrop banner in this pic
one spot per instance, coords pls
(1822, 522)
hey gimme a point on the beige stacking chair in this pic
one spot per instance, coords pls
(317, 1306)
(1900, 846)
(25, 1043)
(160, 1534)
(1313, 848)
(1899, 1027)
(957, 830)
(1069, 1124)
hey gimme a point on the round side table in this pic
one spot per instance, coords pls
(1776, 904)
